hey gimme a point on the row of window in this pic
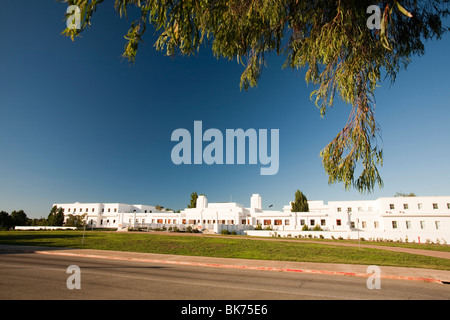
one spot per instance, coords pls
(103, 210)
(419, 206)
(349, 209)
(174, 221)
(276, 222)
(437, 225)
(376, 225)
(392, 207)
(87, 210)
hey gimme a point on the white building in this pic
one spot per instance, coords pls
(418, 219)
(113, 215)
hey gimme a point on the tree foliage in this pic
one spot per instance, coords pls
(75, 220)
(402, 194)
(330, 39)
(19, 218)
(5, 221)
(193, 202)
(300, 204)
(55, 217)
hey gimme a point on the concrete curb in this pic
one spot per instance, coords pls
(237, 264)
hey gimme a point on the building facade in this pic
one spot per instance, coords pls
(417, 219)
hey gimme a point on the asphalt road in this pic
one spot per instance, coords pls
(37, 276)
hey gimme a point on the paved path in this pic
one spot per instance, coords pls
(418, 274)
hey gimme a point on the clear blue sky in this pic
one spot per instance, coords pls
(80, 124)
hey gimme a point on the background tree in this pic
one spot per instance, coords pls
(402, 194)
(19, 218)
(300, 204)
(193, 202)
(75, 220)
(55, 217)
(342, 56)
(38, 222)
(5, 221)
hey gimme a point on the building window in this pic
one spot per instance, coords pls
(364, 224)
(145, 211)
(448, 206)
(322, 222)
(286, 222)
(360, 209)
(391, 206)
(68, 209)
(103, 210)
(420, 206)
(312, 222)
(375, 224)
(267, 222)
(115, 209)
(277, 222)
(349, 209)
(405, 206)
(302, 222)
(408, 224)
(394, 224)
(109, 209)
(338, 222)
(422, 224)
(339, 209)
(437, 224)
(435, 206)
(93, 209)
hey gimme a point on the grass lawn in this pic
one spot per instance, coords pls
(222, 247)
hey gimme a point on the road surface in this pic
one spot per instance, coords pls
(37, 276)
